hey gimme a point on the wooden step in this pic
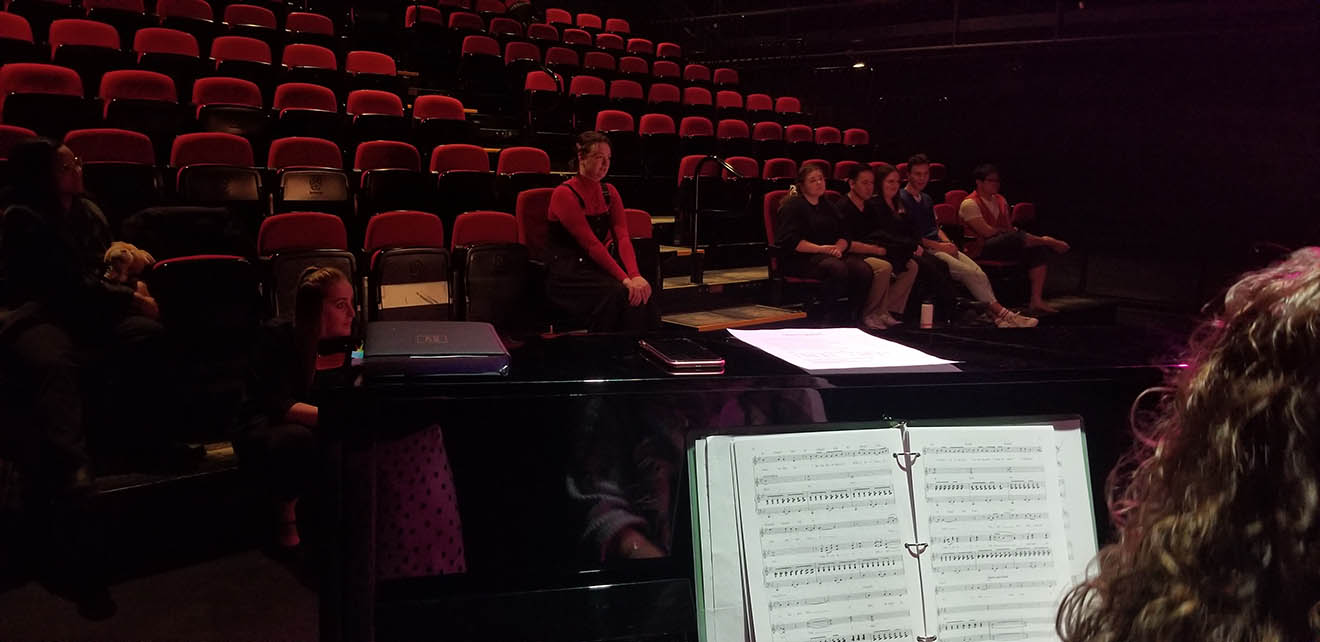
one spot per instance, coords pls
(728, 276)
(742, 316)
(679, 250)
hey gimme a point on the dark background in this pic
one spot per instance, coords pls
(1161, 138)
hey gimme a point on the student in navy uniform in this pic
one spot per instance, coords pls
(593, 271)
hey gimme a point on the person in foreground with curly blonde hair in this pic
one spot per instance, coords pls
(1218, 507)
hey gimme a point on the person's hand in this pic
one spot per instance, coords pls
(639, 291)
(1055, 244)
(919, 251)
(832, 250)
(143, 303)
(630, 544)
(948, 248)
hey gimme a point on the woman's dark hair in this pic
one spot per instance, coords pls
(882, 171)
(859, 169)
(804, 172)
(1218, 504)
(32, 175)
(312, 287)
(585, 141)
(983, 171)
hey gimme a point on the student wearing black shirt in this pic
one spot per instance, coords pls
(810, 227)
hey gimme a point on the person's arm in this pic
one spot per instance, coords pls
(39, 264)
(301, 413)
(866, 249)
(565, 209)
(971, 217)
(622, 235)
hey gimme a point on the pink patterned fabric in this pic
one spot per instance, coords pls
(418, 529)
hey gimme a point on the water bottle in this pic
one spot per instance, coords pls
(927, 314)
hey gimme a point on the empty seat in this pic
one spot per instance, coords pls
(521, 168)
(142, 101)
(609, 42)
(532, 212)
(16, 42)
(588, 96)
(665, 69)
(91, 48)
(310, 176)
(659, 140)
(627, 95)
(171, 52)
(857, 145)
(788, 108)
(519, 58)
(562, 60)
(747, 168)
(619, 126)
(481, 72)
(955, 197)
(407, 248)
(696, 135)
(664, 98)
(464, 177)
(45, 98)
(126, 16)
(40, 13)
(697, 102)
(484, 226)
(668, 51)
(251, 21)
(505, 29)
(193, 16)
(599, 63)
(558, 16)
(243, 57)
(215, 168)
(589, 21)
(543, 101)
(576, 38)
(769, 137)
(634, 68)
(391, 177)
(490, 8)
(938, 172)
(371, 70)
(759, 106)
(618, 25)
(779, 169)
(842, 171)
(376, 115)
(118, 170)
(641, 46)
(11, 135)
(733, 138)
(293, 242)
(440, 120)
(697, 74)
(801, 142)
(310, 28)
(542, 33)
(307, 63)
(725, 77)
(234, 106)
(829, 142)
(304, 109)
(728, 104)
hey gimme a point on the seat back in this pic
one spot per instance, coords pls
(532, 212)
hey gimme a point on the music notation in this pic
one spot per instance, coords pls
(823, 622)
(989, 517)
(795, 458)
(995, 587)
(806, 570)
(1001, 554)
(892, 520)
(842, 597)
(980, 499)
(830, 549)
(826, 496)
(985, 470)
(851, 475)
(1031, 628)
(982, 486)
(974, 608)
(829, 500)
(989, 449)
(993, 538)
(992, 565)
(872, 636)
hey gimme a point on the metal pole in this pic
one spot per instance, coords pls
(957, 5)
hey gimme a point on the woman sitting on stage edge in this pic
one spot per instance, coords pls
(1218, 506)
(593, 272)
(815, 233)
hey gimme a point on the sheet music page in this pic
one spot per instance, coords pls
(824, 518)
(841, 350)
(722, 556)
(1075, 495)
(988, 504)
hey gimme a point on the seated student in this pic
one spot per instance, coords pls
(73, 325)
(813, 232)
(961, 268)
(880, 235)
(986, 213)
(1216, 505)
(587, 224)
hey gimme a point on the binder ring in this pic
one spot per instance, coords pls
(915, 550)
(905, 464)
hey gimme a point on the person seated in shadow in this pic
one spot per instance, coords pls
(73, 323)
(880, 232)
(593, 272)
(815, 240)
(1216, 505)
(960, 267)
(985, 213)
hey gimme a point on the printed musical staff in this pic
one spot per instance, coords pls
(837, 598)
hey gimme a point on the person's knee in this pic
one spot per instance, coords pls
(44, 350)
(879, 268)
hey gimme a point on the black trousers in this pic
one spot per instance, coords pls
(1012, 246)
(580, 288)
(933, 282)
(849, 277)
(283, 457)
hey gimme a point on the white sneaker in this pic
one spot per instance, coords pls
(1010, 319)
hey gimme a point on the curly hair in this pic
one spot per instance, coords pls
(1218, 504)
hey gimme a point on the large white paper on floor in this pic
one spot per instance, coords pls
(841, 351)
